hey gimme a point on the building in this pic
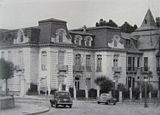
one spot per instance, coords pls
(53, 57)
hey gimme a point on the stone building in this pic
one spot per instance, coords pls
(53, 57)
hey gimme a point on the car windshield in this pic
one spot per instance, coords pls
(63, 94)
(105, 95)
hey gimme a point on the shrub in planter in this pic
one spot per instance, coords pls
(80, 93)
(92, 93)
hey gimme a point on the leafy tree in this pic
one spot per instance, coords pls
(104, 83)
(121, 87)
(6, 71)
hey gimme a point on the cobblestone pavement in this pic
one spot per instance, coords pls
(90, 108)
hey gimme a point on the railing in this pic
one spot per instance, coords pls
(63, 68)
(131, 69)
(78, 68)
(117, 69)
(145, 70)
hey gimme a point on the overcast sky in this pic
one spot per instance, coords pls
(26, 13)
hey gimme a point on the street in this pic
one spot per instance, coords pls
(92, 108)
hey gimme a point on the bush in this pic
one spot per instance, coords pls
(92, 93)
(53, 91)
(126, 94)
(121, 87)
(80, 93)
(71, 90)
(135, 93)
(115, 94)
(33, 90)
(154, 93)
(42, 92)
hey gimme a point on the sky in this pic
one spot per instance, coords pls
(26, 13)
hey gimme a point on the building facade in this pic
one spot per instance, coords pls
(53, 57)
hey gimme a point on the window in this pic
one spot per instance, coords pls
(88, 40)
(115, 43)
(158, 62)
(145, 21)
(128, 43)
(77, 82)
(115, 60)
(131, 63)
(145, 63)
(78, 59)
(61, 57)
(99, 63)
(20, 59)
(138, 61)
(9, 56)
(2, 54)
(61, 35)
(88, 62)
(44, 60)
(77, 39)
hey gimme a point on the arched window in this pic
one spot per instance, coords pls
(78, 59)
(88, 40)
(77, 39)
(44, 60)
(61, 33)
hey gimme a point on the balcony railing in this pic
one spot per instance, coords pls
(131, 70)
(63, 68)
(144, 70)
(117, 69)
(78, 68)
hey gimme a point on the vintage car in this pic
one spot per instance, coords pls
(61, 98)
(107, 99)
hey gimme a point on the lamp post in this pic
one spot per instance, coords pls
(145, 101)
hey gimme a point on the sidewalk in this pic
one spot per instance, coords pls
(25, 109)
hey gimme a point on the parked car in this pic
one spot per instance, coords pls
(61, 98)
(107, 99)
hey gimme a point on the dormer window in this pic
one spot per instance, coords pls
(20, 36)
(145, 21)
(61, 33)
(77, 39)
(88, 40)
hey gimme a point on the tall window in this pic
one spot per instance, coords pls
(115, 43)
(78, 59)
(61, 57)
(44, 60)
(138, 61)
(60, 36)
(77, 83)
(115, 61)
(2, 54)
(88, 42)
(131, 63)
(88, 62)
(20, 59)
(145, 63)
(9, 56)
(99, 63)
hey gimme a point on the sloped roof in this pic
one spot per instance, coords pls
(148, 22)
(52, 20)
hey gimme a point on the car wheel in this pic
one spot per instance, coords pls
(98, 102)
(64, 105)
(70, 106)
(106, 103)
(114, 103)
(56, 105)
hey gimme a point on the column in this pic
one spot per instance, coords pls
(74, 89)
(130, 93)
(98, 91)
(86, 92)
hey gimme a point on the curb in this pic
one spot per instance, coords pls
(39, 112)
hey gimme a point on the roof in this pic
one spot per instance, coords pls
(148, 22)
(52, 20)
(79, 32)
(95, 28)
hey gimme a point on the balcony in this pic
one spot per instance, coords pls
(117, 69)
(131, 70)
(145, 70)
(78, 68)
(62, 68)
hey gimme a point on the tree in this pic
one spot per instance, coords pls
(104, 83)
(6, 71)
